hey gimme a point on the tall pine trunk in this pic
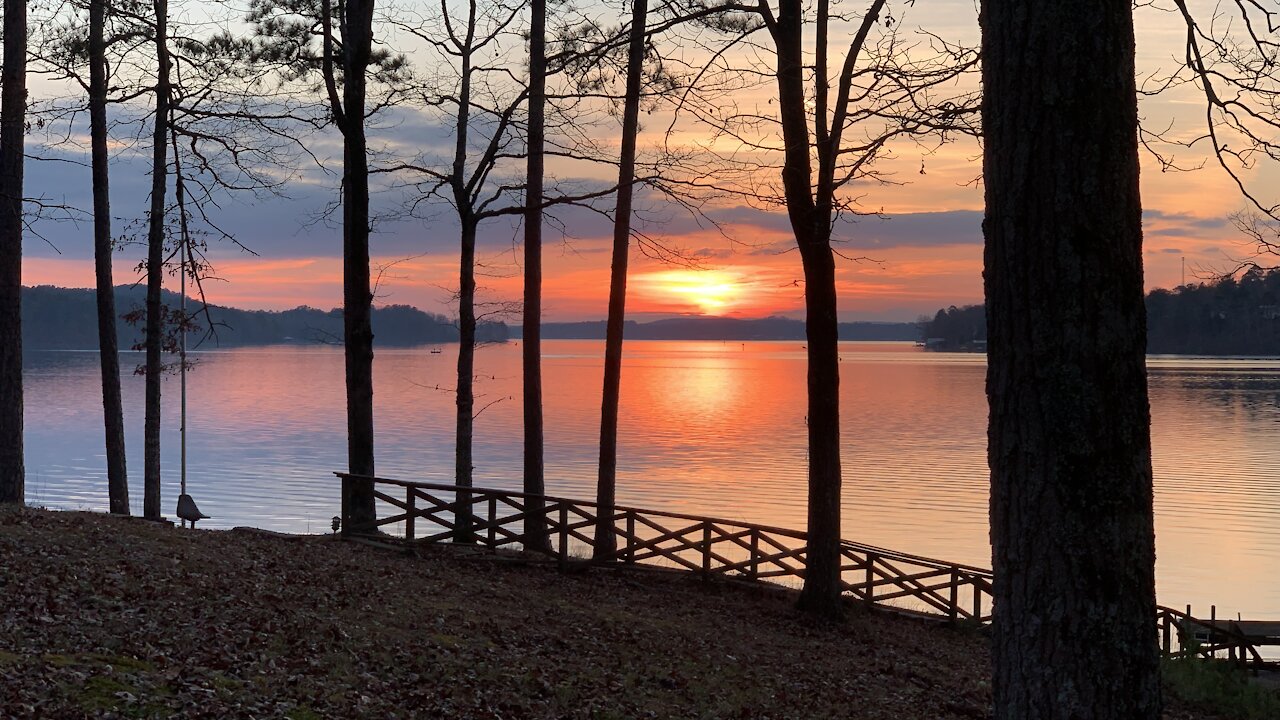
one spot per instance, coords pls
(465, 398)
(108, 342)
(607, 482)
(821, 591)
(13, 110)
(155, 268)
(534, 464)
(1069, 439)
(357, 295)
(811, 223)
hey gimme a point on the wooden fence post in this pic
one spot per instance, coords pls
(869, 587)
(564, 534)
(493, 521)
(409, 516)
(953, 611)
(630, 550)
(755, 553)
(706, 549)
(1213, 623)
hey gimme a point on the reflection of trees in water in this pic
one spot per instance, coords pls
(1255, 394)
(44, 362)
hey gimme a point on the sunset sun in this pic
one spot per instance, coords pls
(710, 292)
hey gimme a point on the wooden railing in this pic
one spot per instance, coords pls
(565, 529)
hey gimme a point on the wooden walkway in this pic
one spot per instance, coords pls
(425, 513)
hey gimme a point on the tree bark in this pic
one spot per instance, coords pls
(108, 342)
(13, 107)
(821, 591)
(811, 224)
(1069, 437)
(155, 268)
(357, 295)
(607, 481)
(534, 465)
(466, 374)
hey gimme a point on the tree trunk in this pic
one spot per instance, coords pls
(1069, 439)
(155, 269)
(13, 108)
(108, 342)
(466, 374)
(811, 223)
(821, 592)
(357, 296)
(534, 480)
(607, 481)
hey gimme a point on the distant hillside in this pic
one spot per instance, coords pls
(66, 318)
(1233, 316)
(715, 328)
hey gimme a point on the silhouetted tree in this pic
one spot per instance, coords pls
(155, 265)
(957, 328)
(607, 478)
(356, 21)
(827, 140)
(108, 340)
(1069, 441)
(13, 103)
(287, 34)
(482, 102)
(534, 465)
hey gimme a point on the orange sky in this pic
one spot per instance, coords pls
(900, 278)
(927, 255)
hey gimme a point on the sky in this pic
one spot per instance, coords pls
(920, 251)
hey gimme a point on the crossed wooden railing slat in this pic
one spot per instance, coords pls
(432, 513)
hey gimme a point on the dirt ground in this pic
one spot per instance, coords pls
(112, 617)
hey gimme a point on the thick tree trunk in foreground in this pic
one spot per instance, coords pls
(606, 541)
(108, 342)
(1069, 439)
(13, 110)
(357, 295)
(155, 269)
(534, 480)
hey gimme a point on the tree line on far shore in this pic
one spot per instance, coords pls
(1238, 314)
(66, 319)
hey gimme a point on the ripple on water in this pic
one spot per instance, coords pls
(706, 428)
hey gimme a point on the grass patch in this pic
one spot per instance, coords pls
(61, 661)
(101, 693)
(98, 660)
(119, 662)
(1221, 688)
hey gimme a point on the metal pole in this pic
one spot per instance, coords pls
(182, 363)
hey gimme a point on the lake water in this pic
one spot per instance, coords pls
(707, 427)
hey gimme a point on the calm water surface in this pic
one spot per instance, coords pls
(707, 427)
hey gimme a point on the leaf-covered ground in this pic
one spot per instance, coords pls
(112, 617)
